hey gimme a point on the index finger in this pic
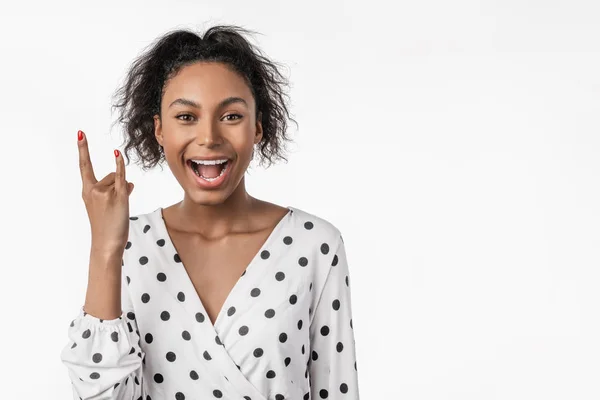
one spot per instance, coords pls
(85, 164)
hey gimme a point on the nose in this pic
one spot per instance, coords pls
(208, 135)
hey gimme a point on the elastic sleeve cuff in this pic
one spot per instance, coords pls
(90, 319)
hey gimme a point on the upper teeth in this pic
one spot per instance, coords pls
(210, 162)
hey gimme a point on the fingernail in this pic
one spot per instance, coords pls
(116, 153)
(79, 135)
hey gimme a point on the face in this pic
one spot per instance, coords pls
(208, 111)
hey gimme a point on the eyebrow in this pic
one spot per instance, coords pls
(224, 103)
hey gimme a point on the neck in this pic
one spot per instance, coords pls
(218, 220)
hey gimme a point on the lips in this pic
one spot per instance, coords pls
(208, 183)
(196, 167)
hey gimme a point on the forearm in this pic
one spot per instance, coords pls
(103, 296)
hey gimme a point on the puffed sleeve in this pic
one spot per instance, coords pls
(103, 357)
(332, 362)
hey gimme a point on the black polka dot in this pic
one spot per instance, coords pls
(95, 375)
(255, 292)
(179, 396)
(308, 225)
(171, 356)
(347, 284)
(339, 347)
(243, 330)
(310, 287)
(323, 393)
(161, 277)
(264, 254)
(300, 324)
(158, 378)
(114, 336)
(199, 317)
(306, 395)
(270, 374)
(303, 261)
(207, 356)
(335, 260)
(217, 393)
(324, 248)
(75, 344)
(149, 338)
(181, 296)
(143, 260)
(287, 240)
(336, 304)
(231, 311)
(160, 242)
(146, 228)
(128, 280)
(283, 337)
(130, 315)
(293, 299)
(279, 396)
(302, 349)
(258, 352)
(165, 315)
(218, 341)
(133, 218)
(128, 245)
(280, 276)
(194, 375)
(287, 361)
(86, 334)
(176, 258)
(145, 298)
(344, 388)
(97, 357)
(186, 335)
(324, 330)
(270, 313)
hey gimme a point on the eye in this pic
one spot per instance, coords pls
(233, 115)
(184, 115)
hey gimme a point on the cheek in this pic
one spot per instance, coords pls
(243, 143)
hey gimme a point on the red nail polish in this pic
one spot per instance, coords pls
(79, 135)
(117, 153)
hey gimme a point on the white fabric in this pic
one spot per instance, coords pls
(284, 331)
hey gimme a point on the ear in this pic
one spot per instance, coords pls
(158, 130)
(259, 130)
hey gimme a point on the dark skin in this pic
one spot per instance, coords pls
(216, 232)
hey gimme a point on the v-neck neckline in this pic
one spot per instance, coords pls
(249, 267)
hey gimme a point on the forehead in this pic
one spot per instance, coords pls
(207, 83)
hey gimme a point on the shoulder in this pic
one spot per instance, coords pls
(142, 222)
(314, 225)
(144, 218)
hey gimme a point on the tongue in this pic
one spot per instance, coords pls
(209, 171)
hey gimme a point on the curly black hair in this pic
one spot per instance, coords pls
(139, 98)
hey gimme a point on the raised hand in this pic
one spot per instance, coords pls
(106, 202)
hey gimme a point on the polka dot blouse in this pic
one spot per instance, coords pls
(284, 332)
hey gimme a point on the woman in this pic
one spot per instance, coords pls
(221, 295)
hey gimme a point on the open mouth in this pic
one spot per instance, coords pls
(209, 172)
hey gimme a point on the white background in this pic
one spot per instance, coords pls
(455, 144)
